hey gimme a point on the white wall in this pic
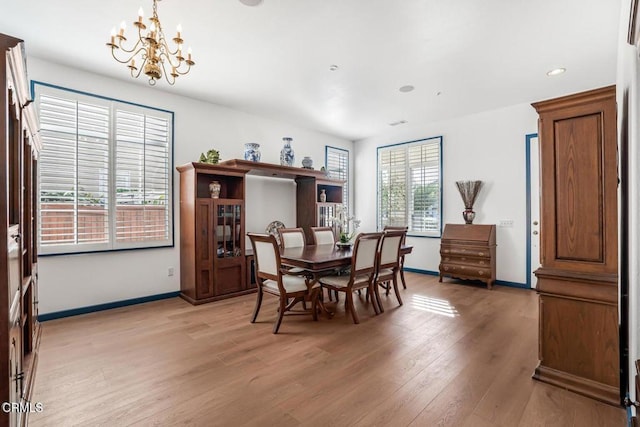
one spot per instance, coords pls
(489, 146)
(627, 83)
(75, 281)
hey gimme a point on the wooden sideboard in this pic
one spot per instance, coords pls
(468, 251)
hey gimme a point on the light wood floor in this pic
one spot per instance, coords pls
(454, 355)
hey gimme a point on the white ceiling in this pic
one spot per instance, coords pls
(273, 60)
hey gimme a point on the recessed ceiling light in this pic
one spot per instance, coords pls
(556, 71)
(406, 88)
(251, 2)
(333, 67)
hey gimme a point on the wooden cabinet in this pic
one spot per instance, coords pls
(577, 282)
(468, 251)
(213, 261)
(212, 237)
(19, 146)
(311, 211)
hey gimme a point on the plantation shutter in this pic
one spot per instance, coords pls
(392, 182)
(105, 175)
(424, 182)
(74, 169)
(409, 186)
(142, 177)
(337, 161)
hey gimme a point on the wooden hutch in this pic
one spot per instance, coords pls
(213, 258)
(20, 144)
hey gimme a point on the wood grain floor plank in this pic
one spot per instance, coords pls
(453, 354)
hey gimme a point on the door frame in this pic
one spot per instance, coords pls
(528, 138)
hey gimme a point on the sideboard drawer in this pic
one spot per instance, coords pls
(467, 260)
(466, 270)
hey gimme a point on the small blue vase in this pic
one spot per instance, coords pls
(286, 154)
(252, 152)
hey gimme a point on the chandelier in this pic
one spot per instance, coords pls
(151, 50)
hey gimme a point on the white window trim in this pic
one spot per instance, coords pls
(430, 140)
(112, 245)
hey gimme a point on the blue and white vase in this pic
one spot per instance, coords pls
(252, 152)
(286, 154)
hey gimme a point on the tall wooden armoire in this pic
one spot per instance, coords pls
(19, 146)
(578, 278)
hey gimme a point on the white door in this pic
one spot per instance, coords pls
(534, 213)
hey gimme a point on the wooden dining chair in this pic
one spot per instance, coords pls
(323, 236)
(293, 238)
(271, 279)
(388, 264)
(404, 239)
(362, 275)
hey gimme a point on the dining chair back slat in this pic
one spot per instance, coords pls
(404, 239)
(364, 254)
(388, 265)
(266, 259)
(323, 235)
(390, 249)
(292, 238)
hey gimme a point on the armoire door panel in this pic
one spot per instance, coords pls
(587, 346)
(579, 189)
(578, 175)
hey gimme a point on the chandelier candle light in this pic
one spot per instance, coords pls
(469, 191)
(152, 50)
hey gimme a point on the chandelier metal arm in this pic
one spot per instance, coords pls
(166, 75)
(133, 69)
(133, 55)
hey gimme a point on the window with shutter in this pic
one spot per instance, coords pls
(337, 161)
(104, 173)
(409, 186)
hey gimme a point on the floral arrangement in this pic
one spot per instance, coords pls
(345, 224)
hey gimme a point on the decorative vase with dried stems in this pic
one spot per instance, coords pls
(469, 191)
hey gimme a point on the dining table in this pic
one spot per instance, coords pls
(322, 259)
